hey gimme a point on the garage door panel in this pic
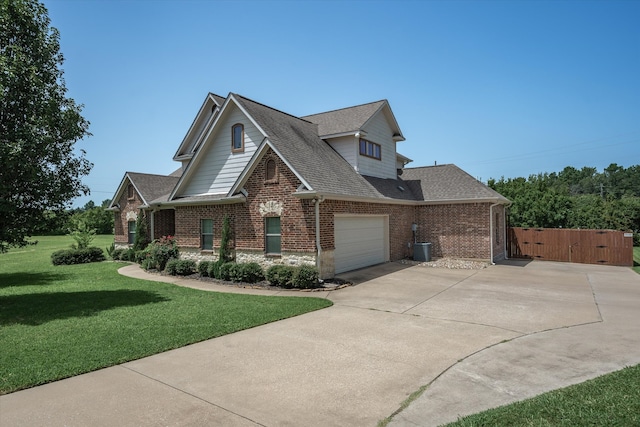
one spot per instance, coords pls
(359, 242)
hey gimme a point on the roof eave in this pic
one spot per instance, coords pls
(238, 198)
(464, 201)
(390, 201)
(345, 197)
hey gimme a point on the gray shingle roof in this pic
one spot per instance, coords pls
(298, 142)
(219, 99)
(349, 119)
(447, 182)
(152, 187)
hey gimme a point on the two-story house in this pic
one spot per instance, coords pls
(327, 189)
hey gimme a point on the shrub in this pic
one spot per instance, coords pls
(110, 249)
(160, 251)
(214, 269)
(116, 254)
(128, 255)
(224, 271)
(252, 272)
(305, 277)
(203, 268)
(82, 233)
(140, 256)
(77, 256)
(280, 275)
(180, 267)
(248, 273)
(141, 240)
(225, 254)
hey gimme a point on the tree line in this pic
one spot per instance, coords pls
(89, 217)
(575, 198)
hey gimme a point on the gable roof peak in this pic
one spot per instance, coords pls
(381, 101)
(237, 95)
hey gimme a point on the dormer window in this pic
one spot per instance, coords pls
(237, 138)
(370, 149)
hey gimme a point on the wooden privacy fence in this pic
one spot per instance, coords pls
(606, 247)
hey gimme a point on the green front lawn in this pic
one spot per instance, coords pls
(636, 259)
(609, 400)
(56, 322)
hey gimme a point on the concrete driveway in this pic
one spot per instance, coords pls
(478, 338)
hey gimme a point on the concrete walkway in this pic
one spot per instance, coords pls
(478, 338)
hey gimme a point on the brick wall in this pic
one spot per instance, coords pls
(247, 220)
(455, 230)
(499, 233)
(400, 219)
(129, 207)
(164, 223)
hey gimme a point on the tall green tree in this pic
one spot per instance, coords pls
(39, 125)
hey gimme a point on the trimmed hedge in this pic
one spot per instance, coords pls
(77, 256)
(303, 277)
(180, 267)
(280, 275)
(214, 269)
(247, 272)
(224, 271)
(203, 268)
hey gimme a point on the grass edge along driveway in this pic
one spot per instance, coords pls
(61, 321)
(611, 399)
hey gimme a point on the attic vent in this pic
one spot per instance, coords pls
(400, 187)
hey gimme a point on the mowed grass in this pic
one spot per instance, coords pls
(609, 400)
(636, 259)
(60, 321)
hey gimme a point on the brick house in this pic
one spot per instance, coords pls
(327, 189)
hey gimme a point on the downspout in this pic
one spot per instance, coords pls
(491, 225)
(318, 246)
(153, 224)
(504, 222)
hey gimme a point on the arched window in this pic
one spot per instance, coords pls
(270, 170)
(237, 137)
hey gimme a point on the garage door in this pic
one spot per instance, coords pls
(360, 241)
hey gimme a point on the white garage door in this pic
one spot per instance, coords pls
(360, 241)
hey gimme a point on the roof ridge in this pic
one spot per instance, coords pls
(151, 174)
(270, 108)
(347, 108)
(431, 166)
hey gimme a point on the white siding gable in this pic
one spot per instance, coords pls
(217, 168)
(347, 147)
(378, 130)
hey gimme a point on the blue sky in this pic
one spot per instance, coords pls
(499, 88)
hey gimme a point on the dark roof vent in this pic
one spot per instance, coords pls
(400, 187)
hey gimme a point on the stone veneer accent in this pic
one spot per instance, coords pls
(246, 256)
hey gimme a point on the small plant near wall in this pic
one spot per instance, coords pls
(82, 233)
(225, 254)
(158, 253)
(142, 235)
